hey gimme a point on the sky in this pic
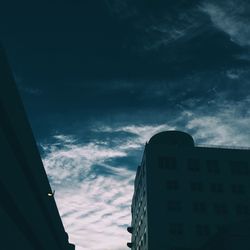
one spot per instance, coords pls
(98, 78)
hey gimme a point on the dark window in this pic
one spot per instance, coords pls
(216, 187)
(239, 168)
(196, 186)
(199, 207)
(213, 166)
(172, 184)
(167, 163)
(238, 188)
(143, 170)
(193, 165)
(242, 209)
(203, 230)
(220, 208)
(174, 205)
(176, 228)
(145, 238)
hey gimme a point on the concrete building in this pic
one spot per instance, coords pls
(235, 236)
(29, 218)
(185, 195)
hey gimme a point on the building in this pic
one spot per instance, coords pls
(234, 236)
(29, 218)
(185, 195)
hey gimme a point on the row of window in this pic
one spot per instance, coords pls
(136, 209)
(194, 165)
(198, 186)
(140, 173)
(142, 242)
(140, 182)
(203, 207)
(203, 230)
(200, 229)
(139, 224)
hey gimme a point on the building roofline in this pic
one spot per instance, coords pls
(221, 147)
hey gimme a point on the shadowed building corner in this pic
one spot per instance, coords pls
(29, 218)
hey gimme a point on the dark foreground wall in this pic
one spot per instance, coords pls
(29, 218)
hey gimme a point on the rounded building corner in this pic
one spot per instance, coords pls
(172, 138)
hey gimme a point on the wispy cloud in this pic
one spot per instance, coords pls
(231, 17)
(73, 160)
(142, 132)
(95, 209)
(162, 27)
(226, 123)
(97, 212)
(26, 89)
(232, 75)
(160, 35)
(122, 8)
(166, 30)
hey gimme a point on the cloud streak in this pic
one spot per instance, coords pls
(95, 209)
(231, 17)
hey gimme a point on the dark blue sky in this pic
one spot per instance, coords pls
(99, 77)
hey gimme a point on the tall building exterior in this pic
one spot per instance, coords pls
(186, 196)
(29, 218)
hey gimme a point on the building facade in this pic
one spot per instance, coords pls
(29, 217)
(185, 195)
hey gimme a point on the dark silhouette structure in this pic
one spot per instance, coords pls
(29, 218)
(190, 197)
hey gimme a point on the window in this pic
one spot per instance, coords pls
(143, 169)
(242, 209)
(142, 242)
(238, 188)
(172, 185)
(167, 163)
(239, 168)
(202, 230)
(216, 187)
(174, 205)
(193, 165)
(212, 166)
(199, 207)
(220, 208)
(196, 186)
(144, 211)
(145, 238)
(176, 229)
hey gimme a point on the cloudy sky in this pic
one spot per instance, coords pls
(99, 77)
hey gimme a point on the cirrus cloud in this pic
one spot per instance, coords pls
(231, 17)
